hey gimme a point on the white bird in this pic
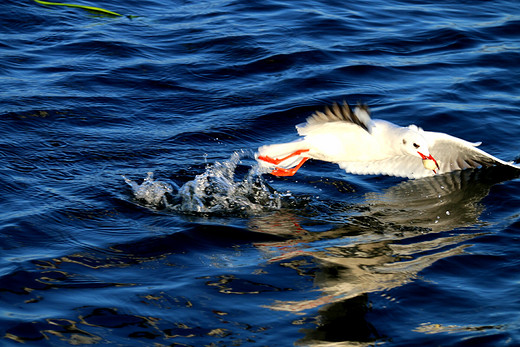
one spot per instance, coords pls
(361, 145)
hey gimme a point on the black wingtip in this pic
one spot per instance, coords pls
(341, 113)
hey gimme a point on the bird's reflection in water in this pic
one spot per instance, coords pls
(384, 245)
(438, 203)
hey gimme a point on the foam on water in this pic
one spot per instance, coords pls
(219, 189)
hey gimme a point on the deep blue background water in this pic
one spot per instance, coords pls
(370, 260)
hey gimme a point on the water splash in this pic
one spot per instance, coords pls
(151, 191)
(217, 190)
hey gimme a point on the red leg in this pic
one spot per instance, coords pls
(277, 161)
(288, 172)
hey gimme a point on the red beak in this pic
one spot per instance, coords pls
(430, 158)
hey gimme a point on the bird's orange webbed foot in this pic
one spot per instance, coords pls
(277, 161)
(288, 172)
(281, 171)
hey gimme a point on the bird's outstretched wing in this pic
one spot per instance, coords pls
(400, 166)
(336, 113)
(451, 153)
(454, 154)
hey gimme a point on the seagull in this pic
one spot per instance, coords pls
(366, 146)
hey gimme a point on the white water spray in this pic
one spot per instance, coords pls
(217, 190)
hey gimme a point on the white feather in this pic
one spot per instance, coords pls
(366, 146)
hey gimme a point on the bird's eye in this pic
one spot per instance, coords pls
(404, 142)
(416, 145)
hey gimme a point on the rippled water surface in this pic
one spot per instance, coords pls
(134, 213)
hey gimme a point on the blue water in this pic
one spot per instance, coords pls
(210, 252)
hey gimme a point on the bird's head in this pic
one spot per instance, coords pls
(414, 143)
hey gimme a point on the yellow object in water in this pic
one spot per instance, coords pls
(88, 8)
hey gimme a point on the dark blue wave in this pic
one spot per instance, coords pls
(175, 87)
